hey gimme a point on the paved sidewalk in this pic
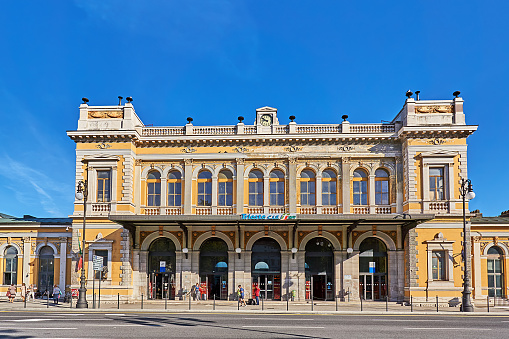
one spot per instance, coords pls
(267, 307)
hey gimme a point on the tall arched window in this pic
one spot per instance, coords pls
(360, 187)
(329, 188)
(46, 269)
(225, 188)
(277, 188)
(307, 188)
(255, 188)
(205, 188)
(11, 265)
(495, 272)
(154, 189)
(381, 187)
(174, 188)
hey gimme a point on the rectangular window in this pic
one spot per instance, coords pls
(328, 193)
(103, 186)
(360, 193)
(436, 183)
(104, 255)
(439, 265)
(382, 192)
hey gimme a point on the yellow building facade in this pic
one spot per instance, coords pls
(314, 211)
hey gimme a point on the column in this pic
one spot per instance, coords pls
(188, 186)
(164, 195)
(338, 274)
(26, 260)
(345, 189)
(477, 275)
(63, 263)
(137, 186)
(266, 196)
(240, 186)
(292, 184)
(214, 193)
(318, 190)
(371, 194)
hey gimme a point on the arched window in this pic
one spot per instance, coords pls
(381, 187)
(373, 269)
(307, 188)
(277, 188)
(329, 188)
(225, 188)
(11, 265)
(204, 188)
(360, 187)
(255, 188)
(154, 189)
(495, 272)
(174, 188)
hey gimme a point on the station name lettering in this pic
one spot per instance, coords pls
(282, 216)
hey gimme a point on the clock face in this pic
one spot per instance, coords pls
(266, 120)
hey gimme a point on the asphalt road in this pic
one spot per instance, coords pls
(155, 325)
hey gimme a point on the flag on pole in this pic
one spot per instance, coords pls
(79, 263)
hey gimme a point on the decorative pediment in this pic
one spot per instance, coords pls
(438, 154)
(266, 109)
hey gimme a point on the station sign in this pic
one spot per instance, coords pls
(162, 266)
(97, 262)
(371, 267)
(276, 216)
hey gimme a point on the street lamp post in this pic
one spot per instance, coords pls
(466, 193)
(82, 194)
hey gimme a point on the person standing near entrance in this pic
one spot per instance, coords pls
(23, 292)
(256, 293)
(198, 292)
(11, 293)
(56, 294)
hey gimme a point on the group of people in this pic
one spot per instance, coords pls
(197, 291)
(29, 292)
(241, 294)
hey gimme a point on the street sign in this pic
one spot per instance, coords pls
(162, 266)
(97, 263)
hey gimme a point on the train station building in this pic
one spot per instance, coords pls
(314, 210)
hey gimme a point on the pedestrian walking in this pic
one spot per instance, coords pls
(240, 294)
(30, 292)
(193, 292)
(257, 294)
(198, 292)
(56, 294)
(23, 292)
(11, 293)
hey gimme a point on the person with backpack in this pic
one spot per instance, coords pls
(240, 294)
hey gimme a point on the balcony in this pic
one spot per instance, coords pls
(255, 210)
(383, 210)
(330, 210)
(308, 210)
(277, 210)
(439, 206)
(228, 210)
(360, 210)
(207, 210)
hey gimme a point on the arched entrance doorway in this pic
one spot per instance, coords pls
(266, 268)
(319, 269)
(214, 268)
(495, 272)
(46, 269)
(161, 269)
(373, 269)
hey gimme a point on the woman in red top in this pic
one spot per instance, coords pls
(256, 293)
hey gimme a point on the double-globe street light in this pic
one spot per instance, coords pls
(466, 193)
(82, 194)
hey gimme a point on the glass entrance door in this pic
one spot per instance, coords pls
(270, 286)
(162, 286)
(217, 285)
(373, 286)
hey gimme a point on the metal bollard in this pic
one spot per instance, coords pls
(287, 298)
(142, 301)
(262, 304)
(166, 302)
(214, 305)
(25, 301)
(437, 303)
(70, 302)
(118, 301)
(47, 300)
(238, 303)
(189, 302)
(411, 304)
(386, 303)
(336, 297)
(348, 294)
(361, 304)
(488, 299)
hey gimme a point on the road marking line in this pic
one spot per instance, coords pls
(41, 328)
(279, 319)
(265, 326)
(120, 315)
(406, 320)
(448, 328)
(53, 319)
(124, 325)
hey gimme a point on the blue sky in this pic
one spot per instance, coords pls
(216, 60)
